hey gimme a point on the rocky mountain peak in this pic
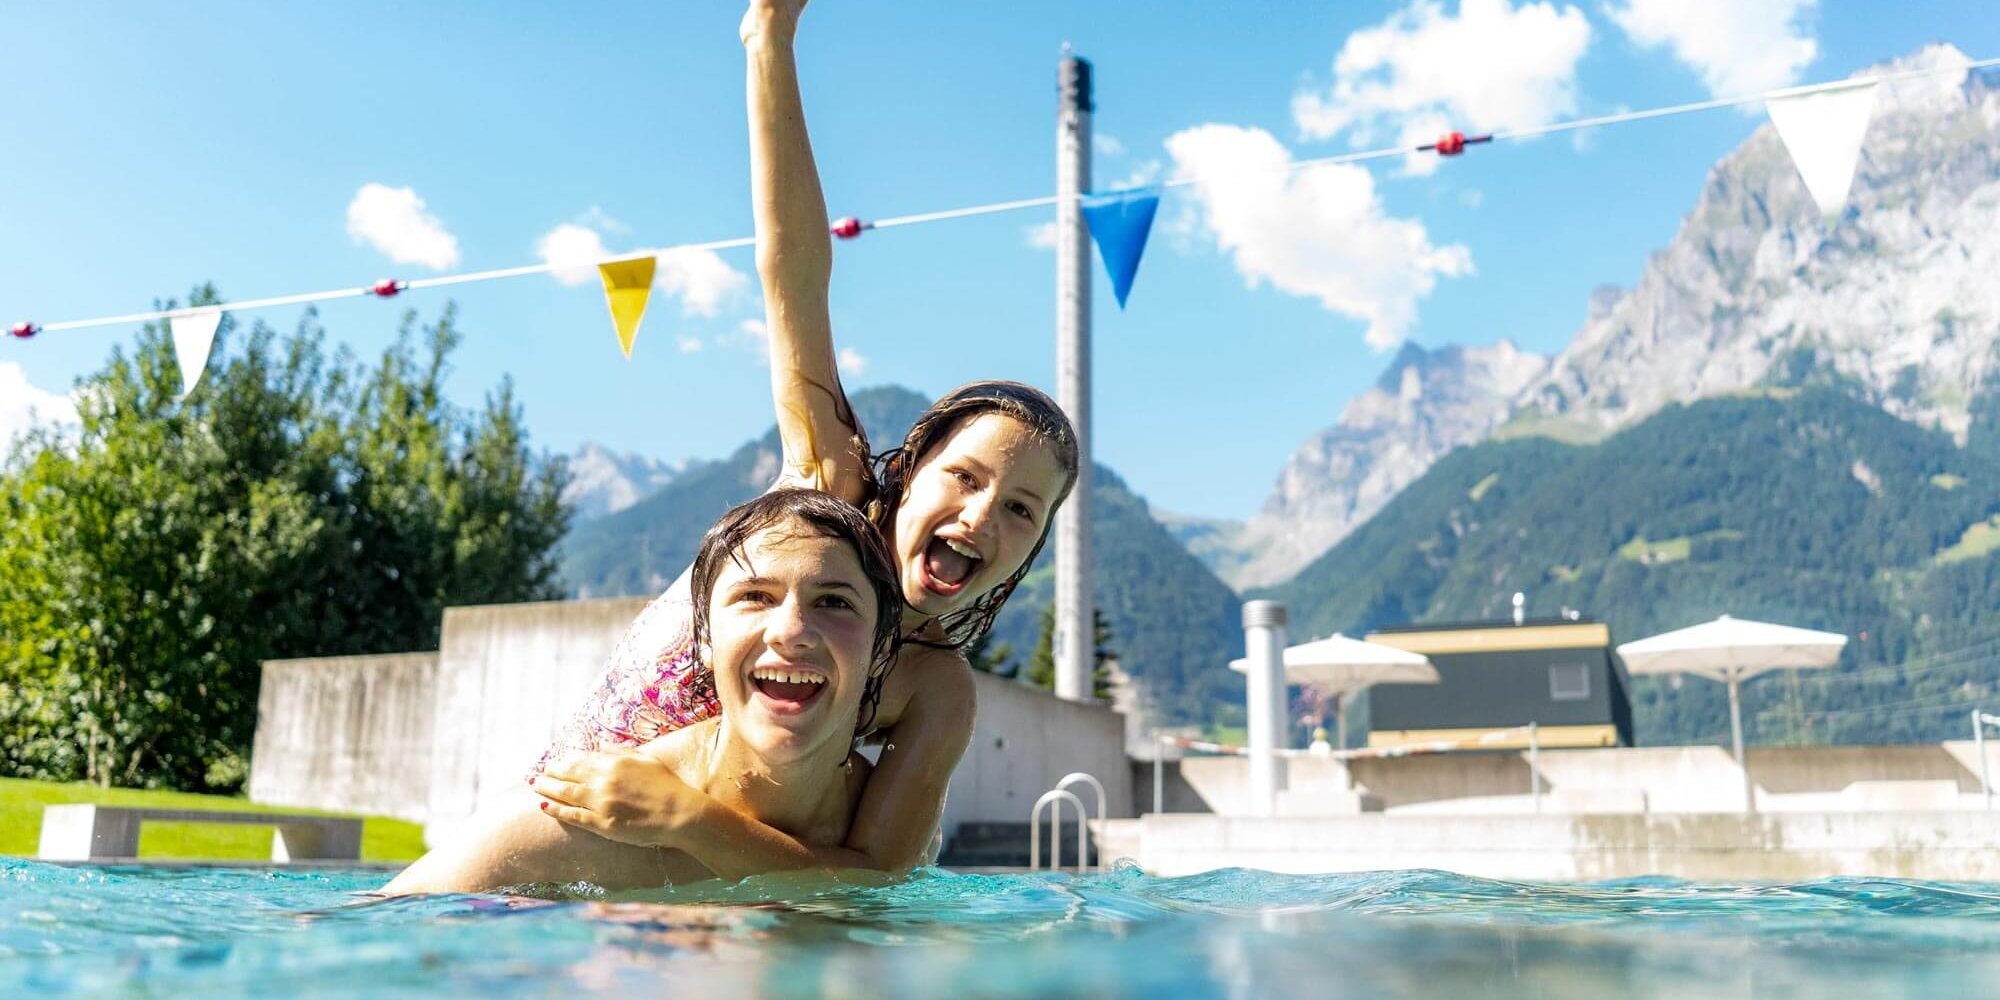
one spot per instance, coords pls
(605, 482)
(1427, 402)
(1894, 299)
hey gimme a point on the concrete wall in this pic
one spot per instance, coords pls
(1670, 780)
(1026, 740)
(428, 736)
(346, 732)
(507, 675)
(1779, 846)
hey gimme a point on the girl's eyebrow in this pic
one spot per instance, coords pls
(765, 581)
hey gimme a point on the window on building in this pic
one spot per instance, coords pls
(1569, 682)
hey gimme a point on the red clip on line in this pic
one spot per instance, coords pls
(386, 288)
(848, 227)
(1453, 143)
(24, 330)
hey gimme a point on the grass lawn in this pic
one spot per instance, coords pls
(21, 803)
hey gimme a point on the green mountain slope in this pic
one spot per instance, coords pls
(1810, 508)
(1175, 623)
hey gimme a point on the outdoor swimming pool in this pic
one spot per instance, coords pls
(1232, 933)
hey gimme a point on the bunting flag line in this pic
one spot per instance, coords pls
(1823, 131)
(627, 286)
(1119, 221)
(194, 335)
(1813, 146)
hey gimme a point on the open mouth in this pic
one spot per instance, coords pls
(948, 563)
(788, 689)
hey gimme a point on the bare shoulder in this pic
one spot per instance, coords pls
(934, 682)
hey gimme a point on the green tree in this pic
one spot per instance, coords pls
(1042, 664)
(295, 504)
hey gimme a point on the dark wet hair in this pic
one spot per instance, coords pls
(893, 468)
(809, 513)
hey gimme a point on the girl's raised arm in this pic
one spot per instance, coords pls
(823, 447)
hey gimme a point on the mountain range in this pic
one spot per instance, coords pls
(1896, 299)
(602, 481)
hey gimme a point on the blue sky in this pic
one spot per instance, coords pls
(151, 148)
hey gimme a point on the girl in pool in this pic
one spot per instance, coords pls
(795, 615)
(965, 504)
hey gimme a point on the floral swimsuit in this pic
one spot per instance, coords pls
(652, 685)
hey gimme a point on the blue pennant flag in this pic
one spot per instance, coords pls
(1119, 222)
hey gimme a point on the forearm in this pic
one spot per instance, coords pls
(735, 846)
(795, 265)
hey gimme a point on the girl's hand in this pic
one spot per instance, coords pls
(627, 797)
(771, 21)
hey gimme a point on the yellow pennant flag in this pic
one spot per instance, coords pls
(627, 285)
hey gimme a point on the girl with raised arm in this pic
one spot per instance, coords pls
(965, 504)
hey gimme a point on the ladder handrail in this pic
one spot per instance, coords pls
(1053, 799)
(1097, 786)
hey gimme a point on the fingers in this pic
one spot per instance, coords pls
(566, 792)
(582, 819)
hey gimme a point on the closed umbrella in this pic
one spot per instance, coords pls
(1733, 650)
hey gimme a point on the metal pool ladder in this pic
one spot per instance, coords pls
(1053, 800)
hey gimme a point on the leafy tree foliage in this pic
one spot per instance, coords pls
(295, 504)
(1042, 663)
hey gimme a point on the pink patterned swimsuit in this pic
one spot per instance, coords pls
(652, 685)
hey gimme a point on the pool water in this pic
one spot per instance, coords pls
(1229, 933)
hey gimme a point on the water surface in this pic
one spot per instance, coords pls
(1229, 933)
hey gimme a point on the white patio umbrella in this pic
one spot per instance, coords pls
(1733, 650)
(1341, 667)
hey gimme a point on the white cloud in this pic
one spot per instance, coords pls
(1320, 233)
(393, 221)
(701, 279)
(22, 405)
(1041, 235)
(1422, 73)
(596, 218)
(572, 249)
(689, 345)
(852, 362)
(1144, 174)
(1739, 47)
(752, 333)
(1106, 144)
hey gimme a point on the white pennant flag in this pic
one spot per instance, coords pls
(1823, 131)
(194, 334)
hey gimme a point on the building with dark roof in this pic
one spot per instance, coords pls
(1560, 674)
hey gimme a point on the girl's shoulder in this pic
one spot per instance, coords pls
(939, 677)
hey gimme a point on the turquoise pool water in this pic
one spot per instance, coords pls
(1232, 933)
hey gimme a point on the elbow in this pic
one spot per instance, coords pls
(791, 265)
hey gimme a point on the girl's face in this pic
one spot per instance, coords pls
(791, 629)
(973, 510)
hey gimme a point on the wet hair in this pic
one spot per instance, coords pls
(893, 468)
(812, 514)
